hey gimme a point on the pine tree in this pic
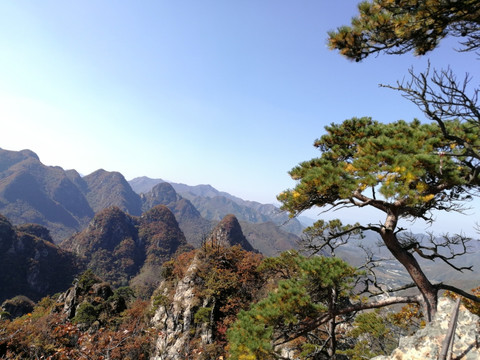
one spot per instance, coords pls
(399, 26)
(404, 170)
(291, 317)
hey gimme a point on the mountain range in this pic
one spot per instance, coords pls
(126, 230)
(56, 223)
(65, 202)
(214, 205)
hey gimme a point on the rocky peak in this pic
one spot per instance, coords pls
(159, 213)
(160, 234)
(189, 219)
(228, 232)
(90, 301)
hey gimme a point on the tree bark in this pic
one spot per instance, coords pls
(332, 324)
(428, 291)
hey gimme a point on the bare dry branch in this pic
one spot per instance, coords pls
(456, 246)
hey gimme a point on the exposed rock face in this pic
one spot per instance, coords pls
(228, 232)
(200, 296)
(426, 344)
(90, 292)
(175, 319)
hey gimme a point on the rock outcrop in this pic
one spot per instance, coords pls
(90, 302)
(427, 343)
(228, 232)
(17, 306)
(175, 319)
(200, 296)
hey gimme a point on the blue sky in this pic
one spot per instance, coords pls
(229, 93)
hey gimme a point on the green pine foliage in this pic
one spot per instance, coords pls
(297, 306)
(373, 335)
(405, 170)
(399, 26)
(407, 162)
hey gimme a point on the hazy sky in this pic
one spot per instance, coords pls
(229, 93)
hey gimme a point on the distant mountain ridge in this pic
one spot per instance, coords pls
(60, 200)
(65, 202)
(214, 205)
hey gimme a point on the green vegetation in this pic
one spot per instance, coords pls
(87, 279)
(396, 27)
(264, 308)
(86, 314)
(100, 328)
(374, 335)
(202, 315)
(405, 170)
(294, 315)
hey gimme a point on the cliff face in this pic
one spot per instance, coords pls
(200, 296)
(176, 319)
(427, 343)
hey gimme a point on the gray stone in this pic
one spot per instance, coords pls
(427, 343)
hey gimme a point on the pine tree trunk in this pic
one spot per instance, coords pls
(428, 291)
(332, 324)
